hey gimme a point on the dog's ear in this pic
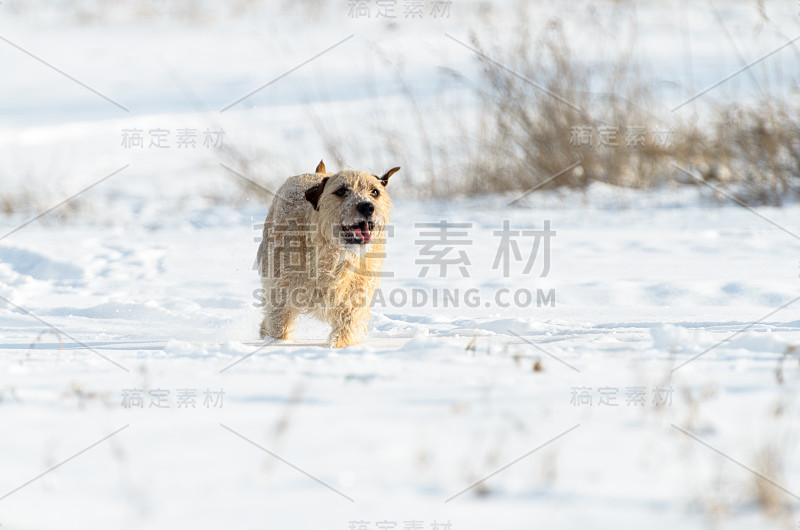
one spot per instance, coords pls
(385, 178)
(315, 192)
(320, 167)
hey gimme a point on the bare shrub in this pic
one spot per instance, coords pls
(538, 96)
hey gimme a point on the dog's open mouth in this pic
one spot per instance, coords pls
(358, 234)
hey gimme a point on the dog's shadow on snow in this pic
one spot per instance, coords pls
(297, 343)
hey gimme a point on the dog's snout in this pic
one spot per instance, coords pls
(365, 208)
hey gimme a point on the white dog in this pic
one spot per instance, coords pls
(322, 252)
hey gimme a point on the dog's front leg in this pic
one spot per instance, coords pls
(349, 327)
(278, 321)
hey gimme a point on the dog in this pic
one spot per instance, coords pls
(322, 252)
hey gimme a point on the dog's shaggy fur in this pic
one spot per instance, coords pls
(322, 252)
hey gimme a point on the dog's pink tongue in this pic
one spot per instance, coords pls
(363, 233)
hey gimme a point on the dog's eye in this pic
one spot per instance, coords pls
(341, 192)
(376, 193)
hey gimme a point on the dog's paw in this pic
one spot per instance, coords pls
(342, 341)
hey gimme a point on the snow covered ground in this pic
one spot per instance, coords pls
(645, 379)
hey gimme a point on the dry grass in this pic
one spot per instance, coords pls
(93, 12)
(756, 149)
(771, 461)
(532, 111)
(29, 201)
(530, 131)
(789, 352)
(770, 500)
(533, 125)
(12, 202)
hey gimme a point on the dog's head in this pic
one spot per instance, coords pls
(353, 206)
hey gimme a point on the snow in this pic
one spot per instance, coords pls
(151, 286)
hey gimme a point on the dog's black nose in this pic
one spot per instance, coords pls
(365, 208)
